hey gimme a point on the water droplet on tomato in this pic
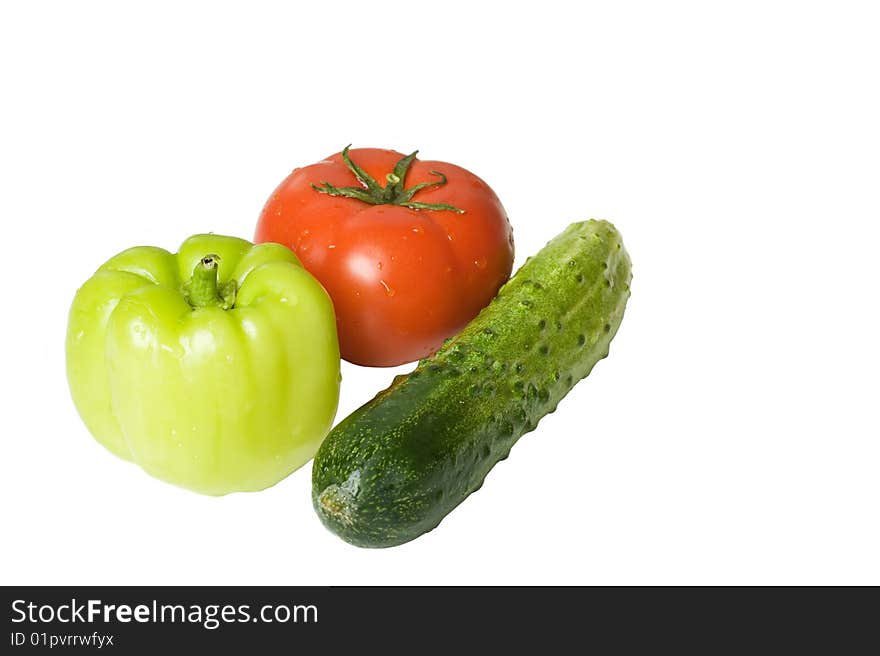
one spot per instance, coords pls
(480, 263)
(388, 290)
(418, 230)
(331, 246)
(379, 266)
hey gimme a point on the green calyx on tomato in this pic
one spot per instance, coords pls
(402, 277)
(393, 193)
(216, 369)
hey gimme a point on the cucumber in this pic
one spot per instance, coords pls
(395, 467)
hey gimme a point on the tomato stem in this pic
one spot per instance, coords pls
(203, 289)
(393, 193)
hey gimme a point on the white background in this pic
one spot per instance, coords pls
(731, 437)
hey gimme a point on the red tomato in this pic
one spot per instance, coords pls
(409, 250)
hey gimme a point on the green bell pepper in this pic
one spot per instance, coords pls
(216, 369)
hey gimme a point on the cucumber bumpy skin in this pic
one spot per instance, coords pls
(395, 467)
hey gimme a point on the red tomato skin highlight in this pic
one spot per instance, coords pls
(402, 280)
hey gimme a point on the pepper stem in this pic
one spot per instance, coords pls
(393, 193)
(203, 289)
